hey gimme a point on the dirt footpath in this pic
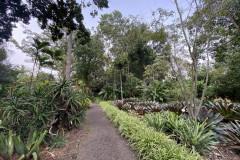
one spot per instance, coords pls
(103, 141)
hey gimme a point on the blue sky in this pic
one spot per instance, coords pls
(143, 8)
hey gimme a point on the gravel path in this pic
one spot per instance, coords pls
(103, 141)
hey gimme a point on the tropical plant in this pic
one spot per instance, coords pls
(6, 145)
(229, 111)
(106, 93)
(178, 108)
(58, 141)
(160, 121)
(232, 135)
(208, 116)
(48, 102)
(193, 134)
(119, 104)
(31, 149)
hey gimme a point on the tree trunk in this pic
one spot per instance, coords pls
(69, 53)
(114, 85)
(121, 85)
(32, 75)
(39, 67)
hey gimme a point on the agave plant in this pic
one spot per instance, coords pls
(58, 141)
(31, 149)
(6, 145)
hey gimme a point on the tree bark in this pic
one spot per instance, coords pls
(69, 54)
(121, 85)
(114, 85)
(205, 86)
(32, 75)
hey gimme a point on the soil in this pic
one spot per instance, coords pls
(222, 152)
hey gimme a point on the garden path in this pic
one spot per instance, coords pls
(103, 142)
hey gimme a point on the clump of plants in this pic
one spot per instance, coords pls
(193, 134)
(229, 111)
(47, 106)
(143, 107)
(232, 135)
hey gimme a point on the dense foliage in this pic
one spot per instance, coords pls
(182, 64)
(148, 143)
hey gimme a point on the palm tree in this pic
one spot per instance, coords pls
(37, 55)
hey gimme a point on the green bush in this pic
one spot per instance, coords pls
(193, 134)
(151, 145)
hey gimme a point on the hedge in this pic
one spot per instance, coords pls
(149, 144)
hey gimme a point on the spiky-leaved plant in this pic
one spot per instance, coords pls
(6, 145)
(31, 149)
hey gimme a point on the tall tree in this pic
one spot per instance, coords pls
(7, 72)
(121, 63)
(89, 58)
(197, 38)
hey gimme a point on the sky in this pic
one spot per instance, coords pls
(142, 8)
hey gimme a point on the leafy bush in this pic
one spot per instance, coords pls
(193, 134)
(151, 145)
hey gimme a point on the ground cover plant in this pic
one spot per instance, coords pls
(148, 143)
(210, 128)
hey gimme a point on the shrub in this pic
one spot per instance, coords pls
(151, 145)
